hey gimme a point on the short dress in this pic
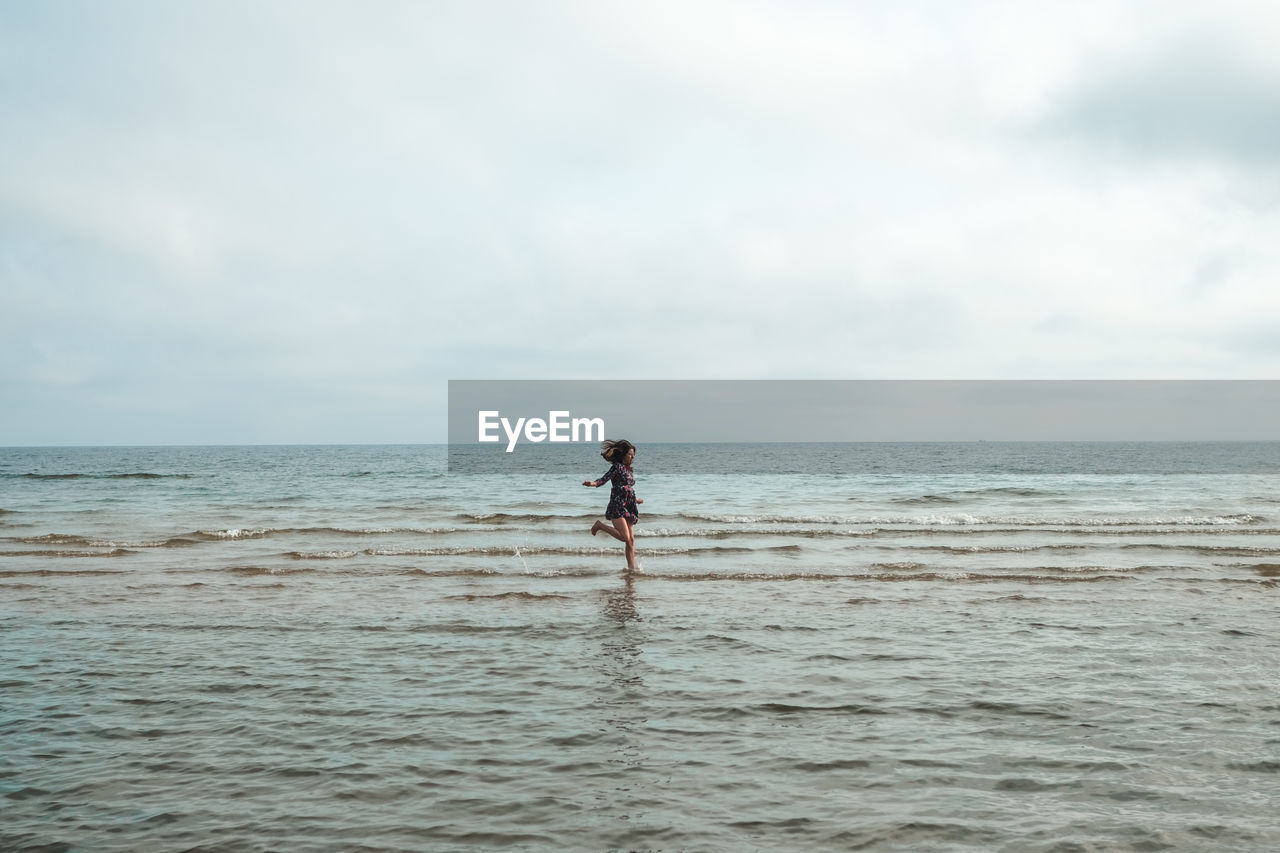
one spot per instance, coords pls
(622, 497)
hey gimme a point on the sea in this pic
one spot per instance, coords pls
(887, 646)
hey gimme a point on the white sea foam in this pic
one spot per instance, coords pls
(236, 533)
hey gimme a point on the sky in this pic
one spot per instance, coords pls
(294, 222)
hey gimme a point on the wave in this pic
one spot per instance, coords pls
(807, 531)
(1209, 550)
(136, 475)
(280, 571)
(894, 573)
(267, 532)
(115, 552)
(967, 519)
(51, 539)
(993, 549)
(234, 533)
(927, 500)
(237, 533)
(727, 526)
(505, 517)
(842, 710)
(1088, 574)
(1015, 491)
(90, 542)
(965, 495)
(451, 573)
(255, 571)
(518, 596)
(321, 555)
(704, 532)
(52, 573)
(568, 551)
(1266, 570)
(925, 568)
(1083, 530)
(1192, 548)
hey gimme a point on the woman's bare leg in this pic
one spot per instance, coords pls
(624, 532)
(600, 526)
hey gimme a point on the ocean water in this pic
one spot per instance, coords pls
(1010, 647)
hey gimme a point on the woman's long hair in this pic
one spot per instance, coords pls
(616, 451)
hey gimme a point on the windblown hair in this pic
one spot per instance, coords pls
(616, 451)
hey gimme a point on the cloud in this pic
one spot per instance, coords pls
(1191, 100)
(205, 209)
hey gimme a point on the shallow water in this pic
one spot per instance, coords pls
(889, 647)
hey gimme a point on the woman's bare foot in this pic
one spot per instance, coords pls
(595, 528)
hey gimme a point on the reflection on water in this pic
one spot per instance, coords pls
(622, 701)
(620, 604)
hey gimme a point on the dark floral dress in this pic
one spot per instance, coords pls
(622, 497)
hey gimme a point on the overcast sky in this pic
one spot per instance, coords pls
(294, 222)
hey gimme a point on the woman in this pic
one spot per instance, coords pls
(622, 509)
